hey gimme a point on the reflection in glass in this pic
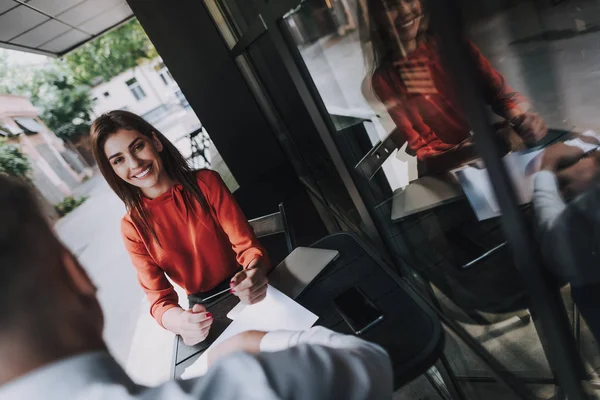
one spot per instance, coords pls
(387, 81)
(566, 200)
(408, 77)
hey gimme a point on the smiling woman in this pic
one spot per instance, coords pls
(135, 158)
(179, 222)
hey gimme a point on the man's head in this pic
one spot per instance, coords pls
(50, 310)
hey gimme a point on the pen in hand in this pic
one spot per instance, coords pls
(589, 152)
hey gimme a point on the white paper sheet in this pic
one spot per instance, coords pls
(236, 311)
(581, 144)
(479, 181)
(521, 167)
(275, 312)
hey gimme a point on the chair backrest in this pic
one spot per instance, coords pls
(374, 159)
(273, 224)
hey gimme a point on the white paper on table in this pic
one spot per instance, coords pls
(275, 312)
(521, 167)
(581, 144)
(236, 311)
(480, 183)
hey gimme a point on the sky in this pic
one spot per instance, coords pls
(20, 58)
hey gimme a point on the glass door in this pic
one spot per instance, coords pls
(443, 142)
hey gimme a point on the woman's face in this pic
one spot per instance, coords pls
(402, 16)
(135, 158)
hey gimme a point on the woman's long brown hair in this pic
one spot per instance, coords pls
(378, 45)
(174, 165)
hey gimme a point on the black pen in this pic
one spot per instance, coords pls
(587, 153)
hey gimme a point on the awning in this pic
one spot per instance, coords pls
(30, 125)
(4, 131)
(9, 130)
(55, 27)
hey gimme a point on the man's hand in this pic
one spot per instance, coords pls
(248, 341)
(530, 127)
(579, 177)
(574, 173)
(194, 324)
(560, 156)
(250, 285)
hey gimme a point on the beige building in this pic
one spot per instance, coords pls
(56, 169)
(147, 90)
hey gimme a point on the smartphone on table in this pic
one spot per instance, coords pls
(359, 312)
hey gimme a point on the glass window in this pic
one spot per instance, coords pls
(383, 75)
(136, 89)
(262, 72)
(553, 65)
(182, 100)
(164, 73)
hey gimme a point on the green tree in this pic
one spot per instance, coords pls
(12, 161)
(65, 105)
(61, 88)
(15, 79)
(111, 54)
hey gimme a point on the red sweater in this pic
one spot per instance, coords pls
(198, 250)
(421, 99)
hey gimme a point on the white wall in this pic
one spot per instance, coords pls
(120, 97)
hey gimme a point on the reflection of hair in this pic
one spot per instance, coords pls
(29, 251)
(174, 164)
(377, 42)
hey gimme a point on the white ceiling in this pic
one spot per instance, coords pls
(55, 27)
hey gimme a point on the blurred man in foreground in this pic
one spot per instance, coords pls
(51, 344)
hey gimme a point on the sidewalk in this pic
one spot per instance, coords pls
(92, 233)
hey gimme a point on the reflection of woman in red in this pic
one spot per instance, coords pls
(407, 76)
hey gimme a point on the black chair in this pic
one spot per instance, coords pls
(411, 330)
(199, 146)
(273, 224)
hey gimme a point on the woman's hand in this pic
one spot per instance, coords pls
(250, 285)
(530, 127)
(248, 341)
(193, 325)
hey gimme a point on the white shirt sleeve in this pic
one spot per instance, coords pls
(322, 364)
(569, 234)
(547, 201)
